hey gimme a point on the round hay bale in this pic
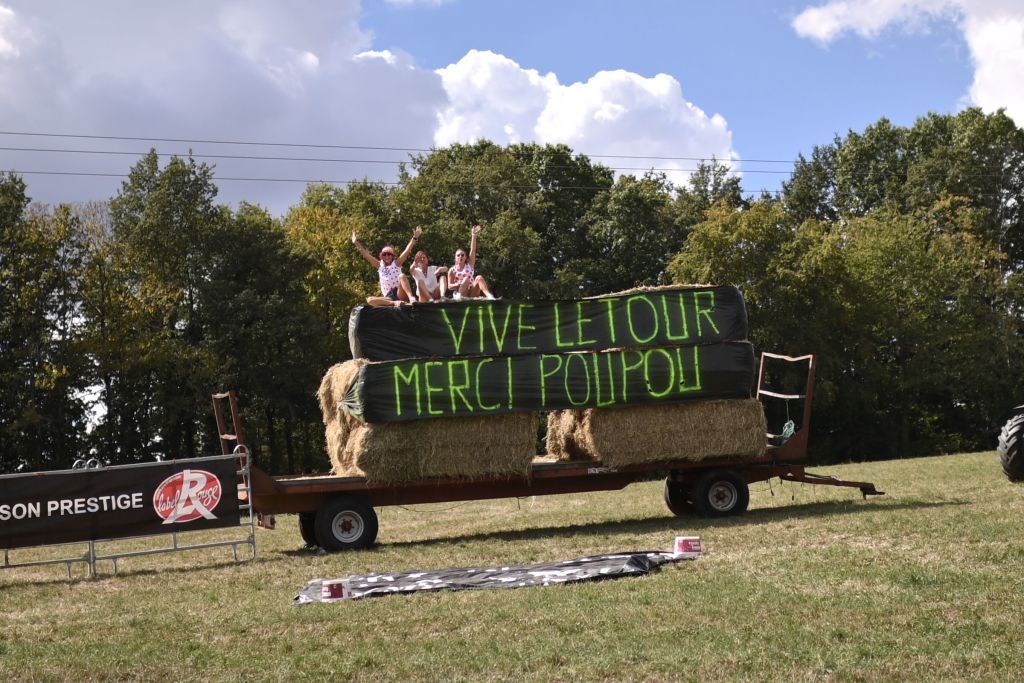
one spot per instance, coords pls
(325, 396)
(334, 385)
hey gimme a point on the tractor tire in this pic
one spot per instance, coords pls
(345, 523)
(677, 497)
(720, 493)
(1011, 448)
(307, 527)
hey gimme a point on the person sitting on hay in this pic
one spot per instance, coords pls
(431, 281)
(394, 285)
(462, 279)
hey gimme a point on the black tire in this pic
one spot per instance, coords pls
(307, 527)
(720, 493)
(1011, 448)
(346, 523)
(677, 497)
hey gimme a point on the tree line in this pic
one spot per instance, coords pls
(895, 254)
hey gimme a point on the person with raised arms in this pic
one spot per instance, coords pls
(462, 278)
(394, 285)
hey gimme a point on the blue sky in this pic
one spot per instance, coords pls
(781, 94)
(741, 80)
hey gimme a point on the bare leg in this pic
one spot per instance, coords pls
(404, 290)
(443, 280)
(421, 290)
(464, 287)
(480, 285)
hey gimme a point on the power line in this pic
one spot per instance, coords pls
(728, 171)
(362, 147)
(351, 181)
(247, 157)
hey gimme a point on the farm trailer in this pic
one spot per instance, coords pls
(337, 513)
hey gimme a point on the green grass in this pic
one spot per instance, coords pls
(813, 583)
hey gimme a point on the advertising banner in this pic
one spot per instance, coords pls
(449, 387)
(46, 508)
(449, 329)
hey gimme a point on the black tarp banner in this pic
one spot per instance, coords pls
(416, 389)
(45, 508)
(596, 568)
(448, 329)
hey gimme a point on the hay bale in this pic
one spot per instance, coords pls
(337, 435)
(647, 289)
(325, 395)
(333, 387)
(561, 440)
(685, 431)
(464, 448)
(554, 438)
(471, 447)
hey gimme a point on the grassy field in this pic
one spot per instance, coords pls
(813, 583)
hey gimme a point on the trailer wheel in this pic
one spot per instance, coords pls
(677, 497)
(1011, 448)
(307, 527)
(346, 523)
(720, 493)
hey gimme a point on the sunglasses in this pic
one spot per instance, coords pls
(386, 253)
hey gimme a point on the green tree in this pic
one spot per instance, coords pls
(810, 192)
(453, 188)
(319, 230)
(165, 222)
(42, 378)
(261, 326)
(973, 156)
(636, 233)
(898, 308)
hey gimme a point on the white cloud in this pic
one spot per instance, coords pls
(261, 70)
(384, 55)
(613, 113)
(993, 29)
(8, 45)
(490, 96)
(865, 17)
(248, 70)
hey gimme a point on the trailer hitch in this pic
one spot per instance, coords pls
(800, 475)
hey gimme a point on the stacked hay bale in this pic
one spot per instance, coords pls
(470, 448)
(664, 356)
(618, 437)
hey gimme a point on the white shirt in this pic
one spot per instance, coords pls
(428, 281)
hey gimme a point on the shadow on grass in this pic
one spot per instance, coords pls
(672, 523)
(668, 523)
(103, 574)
